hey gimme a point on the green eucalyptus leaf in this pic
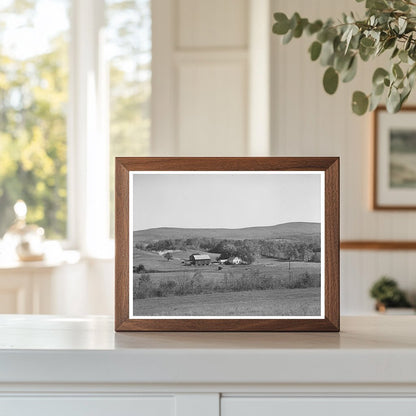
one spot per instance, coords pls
(314, 27)
(355, 41)
(315, 50)
(359, 103)
(281, 27)
(395, 52)
(404, 96)
(374, 101)
(402, 22)
(342, 62)
(389, 43)
(412, 52)
(397, 71)
(408, 42)
(367, 42)
(366, 53)
(294, 20)
(376, 4)
(327, 54)
(400, 5)
(378, 89)
(412, 70)
(379, 75)
(330, 80)
(298, 30)
(351, 71)
(322, 35)
(393, 101)
(288, 37)
(403, 56)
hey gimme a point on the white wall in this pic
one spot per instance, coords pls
(211, 97)
(202, 81)
(308, 122)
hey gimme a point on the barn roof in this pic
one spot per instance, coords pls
(201, 257)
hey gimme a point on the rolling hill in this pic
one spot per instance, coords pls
(304, 231)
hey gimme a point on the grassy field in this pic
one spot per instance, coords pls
(266, 287)
(277, 302)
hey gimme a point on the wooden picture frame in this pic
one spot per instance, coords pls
(137, 173)
(394, 184)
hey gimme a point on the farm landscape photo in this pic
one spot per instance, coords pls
(226, 244)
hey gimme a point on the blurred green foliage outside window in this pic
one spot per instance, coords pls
(34, 90)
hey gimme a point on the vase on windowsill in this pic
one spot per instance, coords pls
(24, 241)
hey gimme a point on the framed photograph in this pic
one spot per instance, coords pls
(227, 244)
(394, 159)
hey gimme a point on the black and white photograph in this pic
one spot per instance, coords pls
(226, 244)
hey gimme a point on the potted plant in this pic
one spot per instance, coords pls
(389, 27)
(387, 294)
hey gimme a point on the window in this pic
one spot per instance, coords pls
(33, 98)
(75, 87)
(129, 43)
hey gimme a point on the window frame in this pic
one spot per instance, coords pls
(88, 133)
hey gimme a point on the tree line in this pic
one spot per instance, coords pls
(247, 250)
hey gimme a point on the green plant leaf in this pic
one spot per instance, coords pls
(359, 103)
(281, 27)
(395, 52)
(397, 71)
(288, 37)
(315, 50)
(367, 42)
(393, 101)
(378, 89)
(314, 27)
(379, 75)
(351, 71)
(327, 53)
(298, 30)
(330, 80)
(403, 56)
(408, 42)
(374, 102)
(376, 4)
(389, 43)
(341, 61)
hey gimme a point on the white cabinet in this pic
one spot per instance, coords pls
(87, 406)
(269, 406)
(52, 365)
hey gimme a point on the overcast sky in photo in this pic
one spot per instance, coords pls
(200, 200)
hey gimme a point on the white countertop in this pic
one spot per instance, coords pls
(53, 349)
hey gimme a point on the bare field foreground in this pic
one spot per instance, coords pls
(276, 302)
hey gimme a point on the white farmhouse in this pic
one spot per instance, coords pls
(234, 260)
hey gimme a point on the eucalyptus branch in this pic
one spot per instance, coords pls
(389, 25)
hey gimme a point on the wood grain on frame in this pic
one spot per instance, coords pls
(330, 165)
(375, 203)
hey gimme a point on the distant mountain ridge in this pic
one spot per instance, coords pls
(289, 231)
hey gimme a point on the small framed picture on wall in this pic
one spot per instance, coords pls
(394, 178)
